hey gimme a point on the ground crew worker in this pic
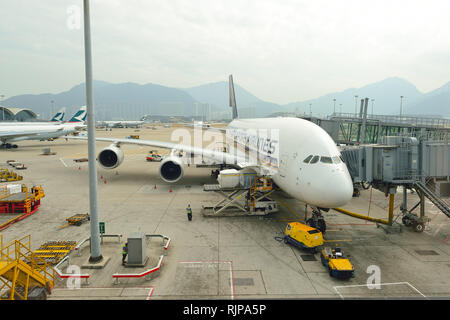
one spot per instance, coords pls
(124, 253)
(189, 212)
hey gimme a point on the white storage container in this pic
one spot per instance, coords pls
(13, 188)
(228, 178)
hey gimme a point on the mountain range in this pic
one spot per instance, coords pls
(127, 101)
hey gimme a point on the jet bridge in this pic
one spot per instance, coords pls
(423, 166)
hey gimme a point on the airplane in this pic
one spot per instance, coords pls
(43, 130)
(301, 158)
(121, 124)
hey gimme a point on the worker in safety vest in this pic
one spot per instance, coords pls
(189, 212)
(124, 252)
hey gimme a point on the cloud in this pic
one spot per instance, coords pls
(281, 51)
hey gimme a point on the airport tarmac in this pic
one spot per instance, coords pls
(218, 257)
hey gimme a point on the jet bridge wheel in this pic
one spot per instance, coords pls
(418, 226)
(407, 221)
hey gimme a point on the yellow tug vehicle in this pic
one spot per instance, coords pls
(337, 265)
(303, 236)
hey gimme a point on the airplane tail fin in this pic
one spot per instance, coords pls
(232, 97)
(80, 115)
(59, 116)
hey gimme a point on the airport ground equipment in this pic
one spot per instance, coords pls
(338, 266)
(9, 176)
(24, 200)
(53, 251)
(243, 193)
(153, 155)
(303, 236)
(400, 161)
(81, 160)
(23, 275)
(76, 220)
(47, 152)
(133, 136)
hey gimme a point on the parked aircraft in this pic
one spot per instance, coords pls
(301, 158)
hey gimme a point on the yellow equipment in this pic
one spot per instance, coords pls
(133, 136)
(23, 274)
(337, 265)
(303, 236)
(8, 176)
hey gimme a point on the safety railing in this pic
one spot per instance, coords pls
(146, 273)
(62, 275)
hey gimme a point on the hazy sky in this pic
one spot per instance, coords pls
(281, 51)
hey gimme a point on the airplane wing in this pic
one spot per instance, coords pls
(218, 157)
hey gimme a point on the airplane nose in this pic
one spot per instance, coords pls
(340, 192)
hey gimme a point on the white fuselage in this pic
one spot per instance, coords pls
(40, 131)
(321, 184)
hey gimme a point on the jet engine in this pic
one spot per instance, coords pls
(110, 157)
(171, 169)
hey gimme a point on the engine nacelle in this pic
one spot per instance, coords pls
(171, 169)
(110, 157)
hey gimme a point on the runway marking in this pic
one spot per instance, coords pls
(381, 284)
(231, 271)
(65, 165)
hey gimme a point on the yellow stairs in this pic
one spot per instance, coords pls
(22, 271)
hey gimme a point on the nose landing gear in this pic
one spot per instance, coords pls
(317, 221)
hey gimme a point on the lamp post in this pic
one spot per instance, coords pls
(356, 105)
(96, 254)
(372, 106)
(334, 106)
(310, 110)
(3, 108)
(401, 99)
(52, 102)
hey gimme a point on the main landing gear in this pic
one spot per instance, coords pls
(8, 146)
(317, 221)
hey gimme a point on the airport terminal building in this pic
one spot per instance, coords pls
(16, 114)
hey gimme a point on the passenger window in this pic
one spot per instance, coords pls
(325, 160)
(307, 159)
(315, 159)
(336, 160)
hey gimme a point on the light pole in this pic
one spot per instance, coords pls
(372, 106)
(356, 105)
(3, 108)
(310, 110)
(52, 108)
(401, 99)
(334, 106)
(96, 254)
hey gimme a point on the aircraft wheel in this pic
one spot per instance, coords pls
(285, 241)
(322, 226)
(310, 222)
(15, 146)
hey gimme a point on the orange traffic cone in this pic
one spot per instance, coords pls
(154, 187)
(105, 181)
(101, 177)
(79, 168)
(170, 190)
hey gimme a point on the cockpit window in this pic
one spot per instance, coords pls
(315, 159)
(308, 158)
(336, 160)
(326, 160)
